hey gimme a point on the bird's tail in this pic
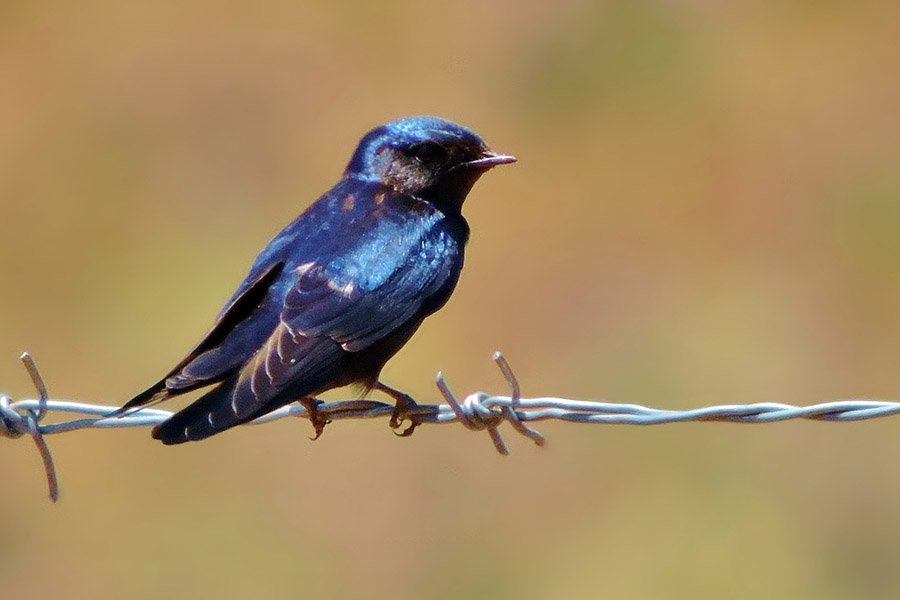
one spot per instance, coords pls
(154, 394)
(258, 388)
(210, 414)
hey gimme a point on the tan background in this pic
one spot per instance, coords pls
(705, 211)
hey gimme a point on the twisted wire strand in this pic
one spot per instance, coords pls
(478, 412)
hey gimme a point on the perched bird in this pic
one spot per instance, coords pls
(341, 289)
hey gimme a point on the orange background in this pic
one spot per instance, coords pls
(706, 210)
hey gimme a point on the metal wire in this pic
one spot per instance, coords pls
(478, 412)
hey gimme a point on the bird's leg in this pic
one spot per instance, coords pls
(402, 409)
(312, 410)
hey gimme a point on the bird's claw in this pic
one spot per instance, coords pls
(408, 431)
(315, 418)
(403, 410)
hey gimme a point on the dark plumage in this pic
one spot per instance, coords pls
(340, 289)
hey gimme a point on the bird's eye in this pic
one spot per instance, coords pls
(428, 153)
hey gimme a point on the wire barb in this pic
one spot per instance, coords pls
(478, 412)
(15, 423)
(511, 411)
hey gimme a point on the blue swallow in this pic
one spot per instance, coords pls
(341, 289)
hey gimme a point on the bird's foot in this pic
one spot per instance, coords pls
(404, 409)
(312, 410)
(403, 412)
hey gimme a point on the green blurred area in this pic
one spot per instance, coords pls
(706, 210)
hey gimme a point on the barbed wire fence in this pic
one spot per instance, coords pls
(478, 411)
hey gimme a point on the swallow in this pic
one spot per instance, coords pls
(340, 289)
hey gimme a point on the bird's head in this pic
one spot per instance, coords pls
(427, 157)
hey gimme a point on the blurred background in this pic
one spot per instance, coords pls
(705, 211)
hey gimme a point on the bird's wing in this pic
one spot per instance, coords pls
(354, 315)
(354, 309)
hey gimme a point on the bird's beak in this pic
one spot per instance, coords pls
(489, 160)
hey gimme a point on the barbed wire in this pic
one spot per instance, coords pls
(478, 411)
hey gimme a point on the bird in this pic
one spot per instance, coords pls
(333, 296)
